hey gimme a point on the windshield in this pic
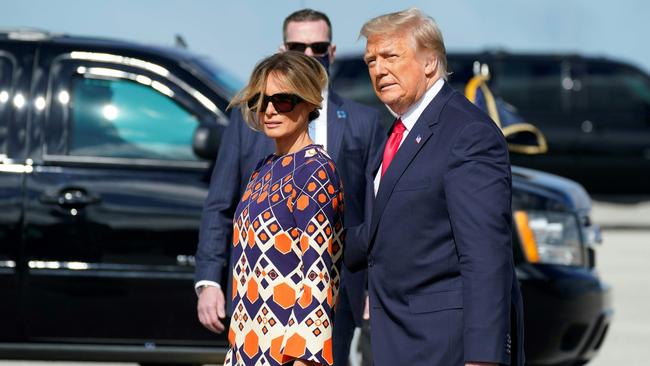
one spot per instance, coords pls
(224, 79)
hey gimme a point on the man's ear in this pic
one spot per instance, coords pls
(431, 65)
(332, 53)
(282, 48)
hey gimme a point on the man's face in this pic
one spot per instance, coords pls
(309, 32)
(400, 75)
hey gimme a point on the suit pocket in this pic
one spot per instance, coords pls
(412, 184)
(437, 301)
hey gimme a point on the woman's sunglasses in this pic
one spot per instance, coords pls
(318, 48)
(282, 102)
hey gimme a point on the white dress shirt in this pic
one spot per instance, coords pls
(411, 116)
(318, 127)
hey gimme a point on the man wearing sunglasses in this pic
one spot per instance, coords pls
(352, 135)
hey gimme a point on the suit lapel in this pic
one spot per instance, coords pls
(415, 140)
(336, 120)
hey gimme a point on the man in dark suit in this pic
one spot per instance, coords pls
(437, 236)
(351, 134)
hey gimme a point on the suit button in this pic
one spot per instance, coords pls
(371, 261)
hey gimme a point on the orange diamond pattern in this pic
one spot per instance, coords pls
(287, 247)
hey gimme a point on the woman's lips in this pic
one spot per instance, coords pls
(272, 124)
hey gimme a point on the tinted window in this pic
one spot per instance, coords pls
(529, 85)
(350, 79)
(6, 71)
(618, 89)
(126, 119)
(462, 70)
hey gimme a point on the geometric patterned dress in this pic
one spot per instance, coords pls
(287, 247)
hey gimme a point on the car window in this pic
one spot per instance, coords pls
(350, 79)
(529, 85)
(6, 72)
(618, 89)
(462, 70)
(126, 119)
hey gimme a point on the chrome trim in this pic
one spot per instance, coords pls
(200, 352)
(28, 34)
(16, 168)
(126, 273)
(156, 69)
(593, 236)
(154, 163)
(7, 264)
(105, 72)
(116, 59)
(57, 265)
(185, 260)
(87, 266)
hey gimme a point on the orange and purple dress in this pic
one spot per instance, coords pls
(286, 254)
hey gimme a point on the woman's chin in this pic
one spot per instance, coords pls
(272, 132)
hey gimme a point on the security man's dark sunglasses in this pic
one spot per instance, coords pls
(282, 102)
(317, 48)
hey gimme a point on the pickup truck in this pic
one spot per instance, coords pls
(106, 150)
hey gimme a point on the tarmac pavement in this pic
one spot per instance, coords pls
(623, 262)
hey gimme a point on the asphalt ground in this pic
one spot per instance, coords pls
(623, 262)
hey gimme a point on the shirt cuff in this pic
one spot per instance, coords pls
(198, 285)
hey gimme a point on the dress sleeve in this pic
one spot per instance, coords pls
(317, 211)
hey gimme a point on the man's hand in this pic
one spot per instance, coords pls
(211, 308)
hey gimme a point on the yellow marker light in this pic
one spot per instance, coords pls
(527, 237)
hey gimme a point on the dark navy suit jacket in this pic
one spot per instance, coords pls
(437, 244)
(354, 136)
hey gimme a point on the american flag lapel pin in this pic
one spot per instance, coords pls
(418, 139)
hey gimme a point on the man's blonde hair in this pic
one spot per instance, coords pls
(300, 74)
(422, 29)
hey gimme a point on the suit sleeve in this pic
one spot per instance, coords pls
(215, 232)
(318, 213)
(377, 137)
(478, 192)
(357, 238)
(356, 244)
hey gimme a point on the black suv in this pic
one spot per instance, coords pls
(101, 197)
(594, 112)
(105, 156)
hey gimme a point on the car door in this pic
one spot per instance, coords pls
(15, 71)
(615, 142)
(114, 203)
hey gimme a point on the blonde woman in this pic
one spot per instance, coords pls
(288, 226)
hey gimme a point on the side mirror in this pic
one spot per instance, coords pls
(205, 141)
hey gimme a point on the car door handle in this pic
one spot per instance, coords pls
(73, 197)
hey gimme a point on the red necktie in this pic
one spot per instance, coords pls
(392, 144)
